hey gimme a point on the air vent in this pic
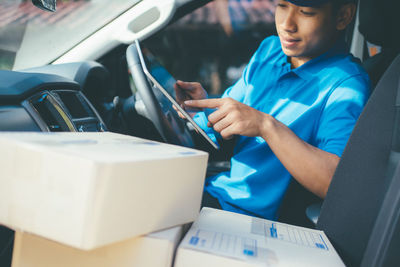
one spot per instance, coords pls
(74, 103)
(82, 114)
(48, 114)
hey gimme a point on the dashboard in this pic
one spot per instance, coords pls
(34, 100)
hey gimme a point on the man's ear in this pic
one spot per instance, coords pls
(344, 16)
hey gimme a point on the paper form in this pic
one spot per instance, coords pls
(258, 241)
(295, 235)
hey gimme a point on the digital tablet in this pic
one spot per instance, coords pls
(165, 83)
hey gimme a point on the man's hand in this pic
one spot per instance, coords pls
(232, 117)
(189, 91)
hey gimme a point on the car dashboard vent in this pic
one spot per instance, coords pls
(75, 104)
(63, 111)
(48, 113)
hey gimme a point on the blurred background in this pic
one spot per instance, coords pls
(211, 45)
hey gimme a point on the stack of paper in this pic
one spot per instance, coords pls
(88, 190)
(153, 250)
(221, 238)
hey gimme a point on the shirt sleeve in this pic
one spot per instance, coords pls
(340, 114)
(238, 90)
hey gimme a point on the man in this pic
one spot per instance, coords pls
(293, 109)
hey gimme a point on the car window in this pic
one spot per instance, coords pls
(31, 37)
(213, 44)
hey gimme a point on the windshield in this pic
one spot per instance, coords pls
(32, 37)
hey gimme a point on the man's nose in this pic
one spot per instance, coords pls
(289, 22)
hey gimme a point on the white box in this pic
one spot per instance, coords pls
(153, 250)
(87, 190)
(220, 238)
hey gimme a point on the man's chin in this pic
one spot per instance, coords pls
(289, 52)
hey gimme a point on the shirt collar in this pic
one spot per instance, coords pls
(310, 68)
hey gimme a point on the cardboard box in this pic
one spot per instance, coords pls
(154, 250)
(87, 190)
(221, 238)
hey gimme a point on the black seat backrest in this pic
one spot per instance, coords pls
(379, 22)
(357, 189)
(383, 246)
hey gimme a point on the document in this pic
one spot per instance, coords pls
(252, 241)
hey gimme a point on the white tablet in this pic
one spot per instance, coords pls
(166, 87)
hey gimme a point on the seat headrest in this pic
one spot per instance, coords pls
(380, 21)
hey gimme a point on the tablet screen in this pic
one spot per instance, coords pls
(165, 82)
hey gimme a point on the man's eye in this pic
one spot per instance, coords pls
(281, 5)
(307, 13)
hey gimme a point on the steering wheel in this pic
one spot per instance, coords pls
(172, 129)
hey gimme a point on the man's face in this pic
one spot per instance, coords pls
(305, 32)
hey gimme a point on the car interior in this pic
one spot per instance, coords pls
(107, 92)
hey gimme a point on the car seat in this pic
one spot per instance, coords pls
(364, 174)
(383, 245)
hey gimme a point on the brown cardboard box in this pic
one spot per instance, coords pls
(88, 190)
(153, 250)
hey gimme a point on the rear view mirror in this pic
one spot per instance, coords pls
(48, 5)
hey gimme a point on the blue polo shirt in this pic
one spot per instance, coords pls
(319, 101)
